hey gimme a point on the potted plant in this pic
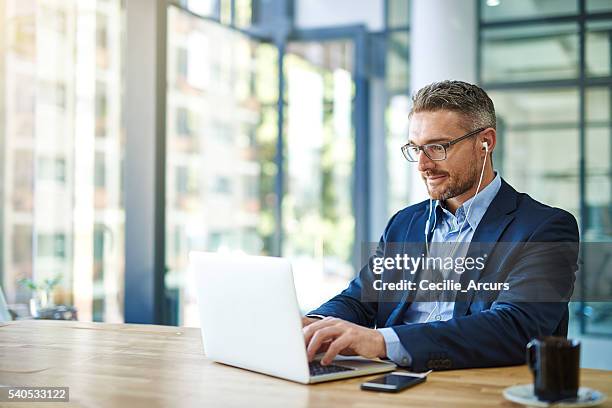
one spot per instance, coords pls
(41, 292)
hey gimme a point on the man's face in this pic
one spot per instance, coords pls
(460, 171)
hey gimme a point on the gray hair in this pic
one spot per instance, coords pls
(457, 96)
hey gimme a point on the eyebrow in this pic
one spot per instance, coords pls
(438, 140)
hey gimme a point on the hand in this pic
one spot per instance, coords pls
(309, 320)
(336, 336)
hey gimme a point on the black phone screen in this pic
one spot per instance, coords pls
(392, 382)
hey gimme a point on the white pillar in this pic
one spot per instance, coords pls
(84, 148)
(443, 44)
(379, 174)
(145, 160)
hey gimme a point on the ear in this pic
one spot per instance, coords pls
(488, 136)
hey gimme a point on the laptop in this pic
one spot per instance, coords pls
(250, 319)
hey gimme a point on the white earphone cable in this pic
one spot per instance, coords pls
(452, 253)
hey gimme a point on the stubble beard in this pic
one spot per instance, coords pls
(458, 183)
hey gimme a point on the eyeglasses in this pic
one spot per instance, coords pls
(435, 151)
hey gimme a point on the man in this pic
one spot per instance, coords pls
(452, 136)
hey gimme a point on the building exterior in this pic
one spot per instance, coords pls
(61, 132)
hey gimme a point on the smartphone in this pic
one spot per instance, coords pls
(392, 383)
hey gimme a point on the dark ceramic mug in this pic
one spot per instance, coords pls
(555, 364)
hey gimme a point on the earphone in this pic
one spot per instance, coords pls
(485, 146)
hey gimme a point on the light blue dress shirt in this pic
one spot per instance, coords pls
(447, 226)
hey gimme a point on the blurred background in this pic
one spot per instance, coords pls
(134, 131)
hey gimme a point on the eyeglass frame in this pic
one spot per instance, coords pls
(445, 146)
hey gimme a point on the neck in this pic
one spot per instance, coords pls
(452, 204)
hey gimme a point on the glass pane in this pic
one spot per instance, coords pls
(398, 13)
(596, 6)
(495, 10)
(225, 12)
(220, 169)
(398, 62)
(398, 168)
(598, 160)
(318, 217)
(243, 13)
(397, 80)
(534, 126)
(542, 52)
(207, 8)
(598, 46)
(60, 116)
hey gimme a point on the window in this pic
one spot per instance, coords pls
(51, 246)
(21, 241)
(101, 109)
(55, 19)
(182, 61)
(243, 13)
(398, 13)
(598, 162)
(51, 169)
(532, 73)
(22, 192)
(207, 8)
(529, 53)
(225, 12)
(101, 31)
(100, 172)
(186, 181)
(52, 94)
(392, 49)
(495, 10)
(598, 48)
(597, 6)
(318, 217)
(222, 215)
(222, 185)
(183, 124)
(537, 125)
(55, 97)
(397, 83)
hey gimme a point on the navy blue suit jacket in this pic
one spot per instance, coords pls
(486, 333)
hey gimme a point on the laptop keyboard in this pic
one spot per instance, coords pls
(317, 369)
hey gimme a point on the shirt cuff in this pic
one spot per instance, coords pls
(395, 351)
(316, 316)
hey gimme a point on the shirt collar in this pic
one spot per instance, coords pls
(478, 209)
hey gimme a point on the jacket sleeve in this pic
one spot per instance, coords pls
(349, 304)
(498, 336)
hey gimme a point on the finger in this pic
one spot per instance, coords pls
(320, 337)
(309, 320)
(311, 329)
(336, 348)
(321, 340)
(323, 348)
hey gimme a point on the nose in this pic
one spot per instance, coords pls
(425, 163)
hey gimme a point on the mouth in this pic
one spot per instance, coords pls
(435, 179)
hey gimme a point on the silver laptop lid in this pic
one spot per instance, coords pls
(249, 313)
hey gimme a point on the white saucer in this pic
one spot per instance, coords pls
(523, 394)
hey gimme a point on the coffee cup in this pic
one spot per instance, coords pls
(555, 364)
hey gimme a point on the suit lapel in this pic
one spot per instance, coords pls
(495, 221)
(415, 238)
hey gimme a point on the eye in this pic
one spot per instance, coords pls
(436, 148)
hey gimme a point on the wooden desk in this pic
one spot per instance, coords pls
(116, 365)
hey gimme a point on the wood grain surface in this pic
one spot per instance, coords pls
(128, 365)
